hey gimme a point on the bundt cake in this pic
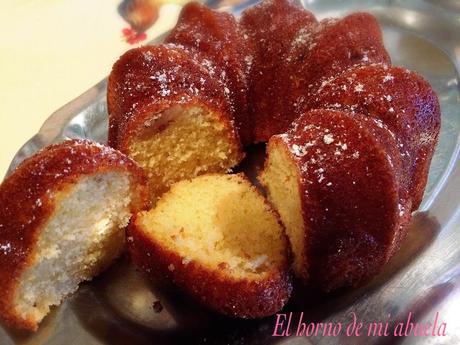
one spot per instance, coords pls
(216, 238)
(62, 219)
(335, 180)
(170, 115)
(275, 63)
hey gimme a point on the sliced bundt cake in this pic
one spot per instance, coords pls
(217, 239)
(335, 180)
(342, 181)
(214, 39)
(62, 219)
(276, 63)
(170, 115)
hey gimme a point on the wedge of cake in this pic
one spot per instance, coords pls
(62, 219)
(217, 239)
(171, 116)
(335, 179)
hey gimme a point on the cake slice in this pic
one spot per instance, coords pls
(171, 116)
(62, 219)
(217, 239)
(336, 179)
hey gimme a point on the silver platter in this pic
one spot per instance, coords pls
(424, 278)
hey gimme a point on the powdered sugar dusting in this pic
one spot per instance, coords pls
(301, 150)
(5, 248)
(359, 87)
(388, 77)
(328, 139)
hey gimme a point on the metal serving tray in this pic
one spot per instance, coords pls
(119, 306)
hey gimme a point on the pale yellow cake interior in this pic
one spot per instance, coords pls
(183, 142)
(281, 180)
(220, 221)
(83, 235)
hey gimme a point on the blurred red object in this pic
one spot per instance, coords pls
(132, 36)
(140, 14)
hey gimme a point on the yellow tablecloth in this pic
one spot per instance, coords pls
(51, 51)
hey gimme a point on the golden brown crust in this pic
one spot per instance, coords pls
(27, 202)
(148, 80)
(329, 48)
(243, 298)
(351, 229)
(301, 53)
(269, 28)
(403, 101)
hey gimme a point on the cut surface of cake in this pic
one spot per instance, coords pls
(216, 238)
(62, 221)
(169, 115)
(335, 180)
